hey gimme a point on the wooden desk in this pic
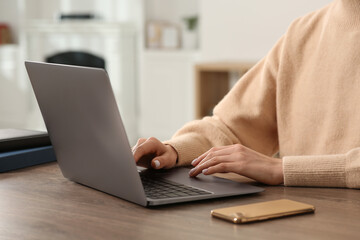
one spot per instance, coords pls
(38, 203)
(212, 83)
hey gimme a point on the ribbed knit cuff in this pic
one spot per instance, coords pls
(352, 169)
(188, 147)
(316, 171)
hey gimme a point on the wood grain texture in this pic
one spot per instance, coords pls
(39, 203)
(225, 66)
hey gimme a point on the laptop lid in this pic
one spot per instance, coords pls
(85, 128)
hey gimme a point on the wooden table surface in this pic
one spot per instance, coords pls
(39, 203)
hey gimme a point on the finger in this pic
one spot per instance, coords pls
(160, 162)
(202, 156)
(145, 161)
(211, 162)
(219, 168)
(150, 146)
(226, 150)
(221, 152)
(138, 143)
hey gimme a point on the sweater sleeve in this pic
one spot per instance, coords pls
(340, 170)
(246, 115)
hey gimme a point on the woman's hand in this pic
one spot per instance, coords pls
(241, 160)
(152, 152)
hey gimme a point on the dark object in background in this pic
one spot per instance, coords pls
(19, 139)
(77, 58)
(26, 158)
(77, 16)
(21, 148)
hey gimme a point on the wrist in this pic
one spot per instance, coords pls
(278, 171)
(173, 153)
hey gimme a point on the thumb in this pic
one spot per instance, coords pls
(159, 163)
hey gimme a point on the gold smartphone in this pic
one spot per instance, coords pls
(262, 211)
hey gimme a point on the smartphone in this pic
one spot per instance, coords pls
(262, 211)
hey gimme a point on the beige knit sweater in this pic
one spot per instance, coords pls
(302, 100)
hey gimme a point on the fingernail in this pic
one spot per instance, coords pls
(192, 170)
(193, 161)
(157, 163)
(205, 171)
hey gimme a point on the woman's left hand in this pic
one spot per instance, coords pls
(241, 160)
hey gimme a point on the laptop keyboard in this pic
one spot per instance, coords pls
(158, 188)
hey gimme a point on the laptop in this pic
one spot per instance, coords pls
(91, 146)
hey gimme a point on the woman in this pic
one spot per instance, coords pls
(302, 100)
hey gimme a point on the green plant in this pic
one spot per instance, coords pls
(191, 22)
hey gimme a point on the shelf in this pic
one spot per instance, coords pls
(212, 83)
(170, 53)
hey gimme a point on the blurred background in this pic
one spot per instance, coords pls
(169, 61)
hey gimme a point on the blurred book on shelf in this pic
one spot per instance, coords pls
(162, 35)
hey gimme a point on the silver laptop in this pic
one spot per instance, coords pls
(91, 146)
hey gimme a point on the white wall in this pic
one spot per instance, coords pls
(246, 30)
(170, 10)
(9, 15)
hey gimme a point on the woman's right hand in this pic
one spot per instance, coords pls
(152, 152)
